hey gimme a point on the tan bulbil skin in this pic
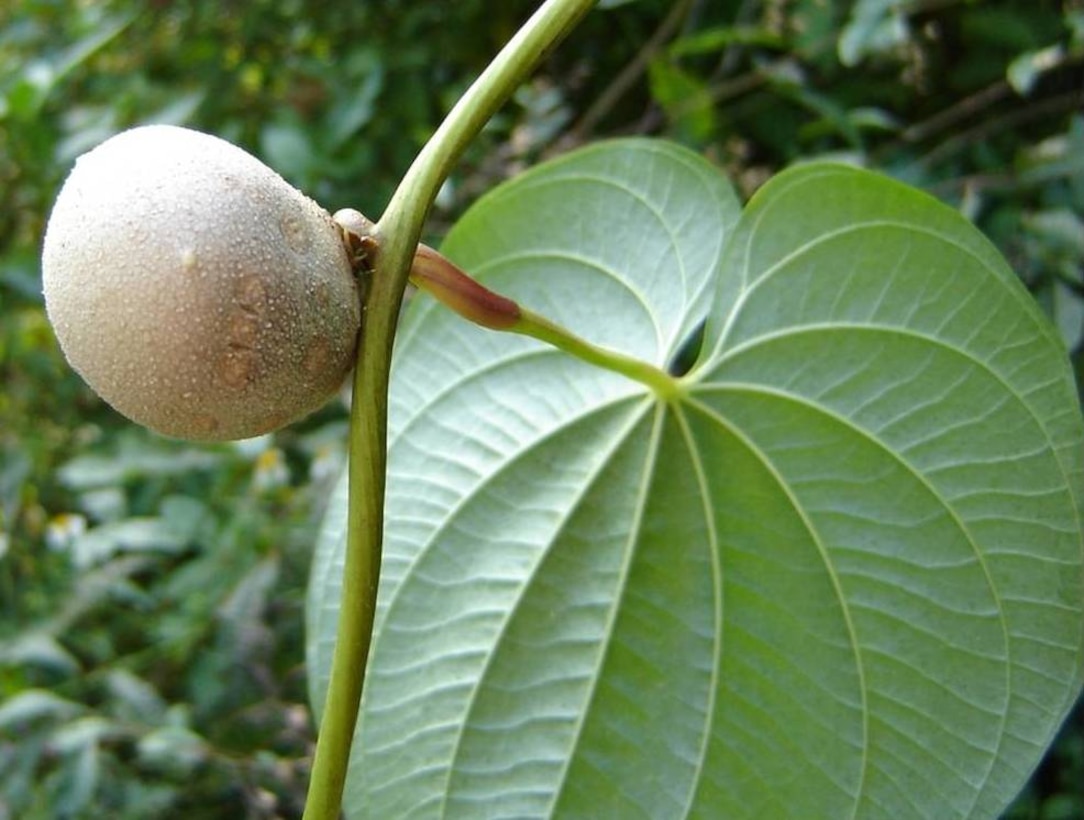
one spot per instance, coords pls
(194, 289)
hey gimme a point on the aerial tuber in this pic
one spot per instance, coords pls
(194, 289)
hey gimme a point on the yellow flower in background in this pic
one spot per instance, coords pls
(270, 471)
(63, 529)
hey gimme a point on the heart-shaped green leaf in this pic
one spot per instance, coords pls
(840, 575)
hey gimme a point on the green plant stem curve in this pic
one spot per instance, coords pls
(399, 230)
(531, 324)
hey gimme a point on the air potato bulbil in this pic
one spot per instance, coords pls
(194, 289)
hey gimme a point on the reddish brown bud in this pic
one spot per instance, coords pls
(437, 276)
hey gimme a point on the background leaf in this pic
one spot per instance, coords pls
(841, 576)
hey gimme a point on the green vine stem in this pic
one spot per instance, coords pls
(398, 231)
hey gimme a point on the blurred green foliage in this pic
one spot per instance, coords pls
(150, 591)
